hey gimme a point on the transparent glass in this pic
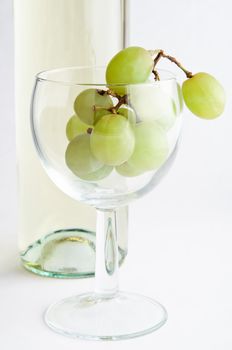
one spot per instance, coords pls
(152, 134)
(51, 34)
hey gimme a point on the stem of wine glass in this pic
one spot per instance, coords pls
(106, 270)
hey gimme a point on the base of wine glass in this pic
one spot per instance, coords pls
(93, 317)
(65, 253)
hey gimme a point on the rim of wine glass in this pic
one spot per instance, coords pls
(41, 76)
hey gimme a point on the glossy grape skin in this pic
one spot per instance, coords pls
(128, 113)
(129, 66)
(150, 152)
(82, 163)
(112, 140)
(153, 104)
(85, 102)
(76, 127)
(204, 96)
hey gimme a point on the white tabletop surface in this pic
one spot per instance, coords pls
(180, 240)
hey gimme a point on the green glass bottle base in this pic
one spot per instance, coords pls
(66, 253)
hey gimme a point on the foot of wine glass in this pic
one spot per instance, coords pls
(106, 313)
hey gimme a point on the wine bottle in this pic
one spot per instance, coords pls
(56, 234)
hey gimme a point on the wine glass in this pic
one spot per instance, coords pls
(105, 146)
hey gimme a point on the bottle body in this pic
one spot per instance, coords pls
(56, 233)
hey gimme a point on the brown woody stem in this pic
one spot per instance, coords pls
(89, 131)
(156, 74)
(121, 101)
(161, 54)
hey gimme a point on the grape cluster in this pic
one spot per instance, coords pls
(131, 135)
(111, 140)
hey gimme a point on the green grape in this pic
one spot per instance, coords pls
(100, 113)
(128, 113)
(129, 170)
(204, 96)
(129, 66)
(75, 127)
(82, 163)
(153, 104)
(98, 175)
(87, 100)
(151, 150)
(112, 141)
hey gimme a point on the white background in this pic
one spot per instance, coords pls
(180, 235)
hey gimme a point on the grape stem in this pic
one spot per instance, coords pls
(156, 74)
(160, 55)
(89, 131)
(113, 94)
(121, 101)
